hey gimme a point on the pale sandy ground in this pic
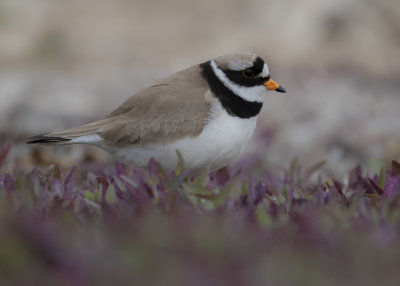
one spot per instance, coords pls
(68, 62)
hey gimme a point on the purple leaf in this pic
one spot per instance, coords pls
(120, 169)
(218, 179)
(69, 176)
(222, 177)
(391, 186)
(395, 168)
(365, 185)
(155, 169)
(3, 152)
(290, 192)
(9, 185)
(68, 184)
(339, 188)
(354, 177)
(118, 191)
(376, 187)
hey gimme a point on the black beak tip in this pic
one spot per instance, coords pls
(280, 89)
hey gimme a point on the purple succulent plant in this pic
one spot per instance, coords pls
(152, 227)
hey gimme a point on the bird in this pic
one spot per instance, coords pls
(204, 114)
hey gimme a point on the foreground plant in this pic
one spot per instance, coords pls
(155, 227)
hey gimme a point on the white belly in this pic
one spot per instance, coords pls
(220, 142)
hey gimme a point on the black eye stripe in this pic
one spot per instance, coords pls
(249, 73)
(239, 78)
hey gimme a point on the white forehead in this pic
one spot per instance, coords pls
(265, 71)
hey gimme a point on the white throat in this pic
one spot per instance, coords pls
(252, 94)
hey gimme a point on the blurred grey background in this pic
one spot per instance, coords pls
(64, 63)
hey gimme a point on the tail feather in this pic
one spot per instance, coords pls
(66, 136)
(47, 140)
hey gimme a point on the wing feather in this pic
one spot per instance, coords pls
(173, 108)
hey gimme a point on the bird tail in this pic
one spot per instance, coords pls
(47, 139)
(81, 134)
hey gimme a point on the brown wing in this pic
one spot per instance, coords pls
(173, 108)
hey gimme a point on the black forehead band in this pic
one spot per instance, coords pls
(238, 78)
(258, 65)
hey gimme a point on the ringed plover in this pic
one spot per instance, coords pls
(208, 112)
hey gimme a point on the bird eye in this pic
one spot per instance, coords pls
(249, 73)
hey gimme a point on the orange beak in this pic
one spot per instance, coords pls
(273, 85)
